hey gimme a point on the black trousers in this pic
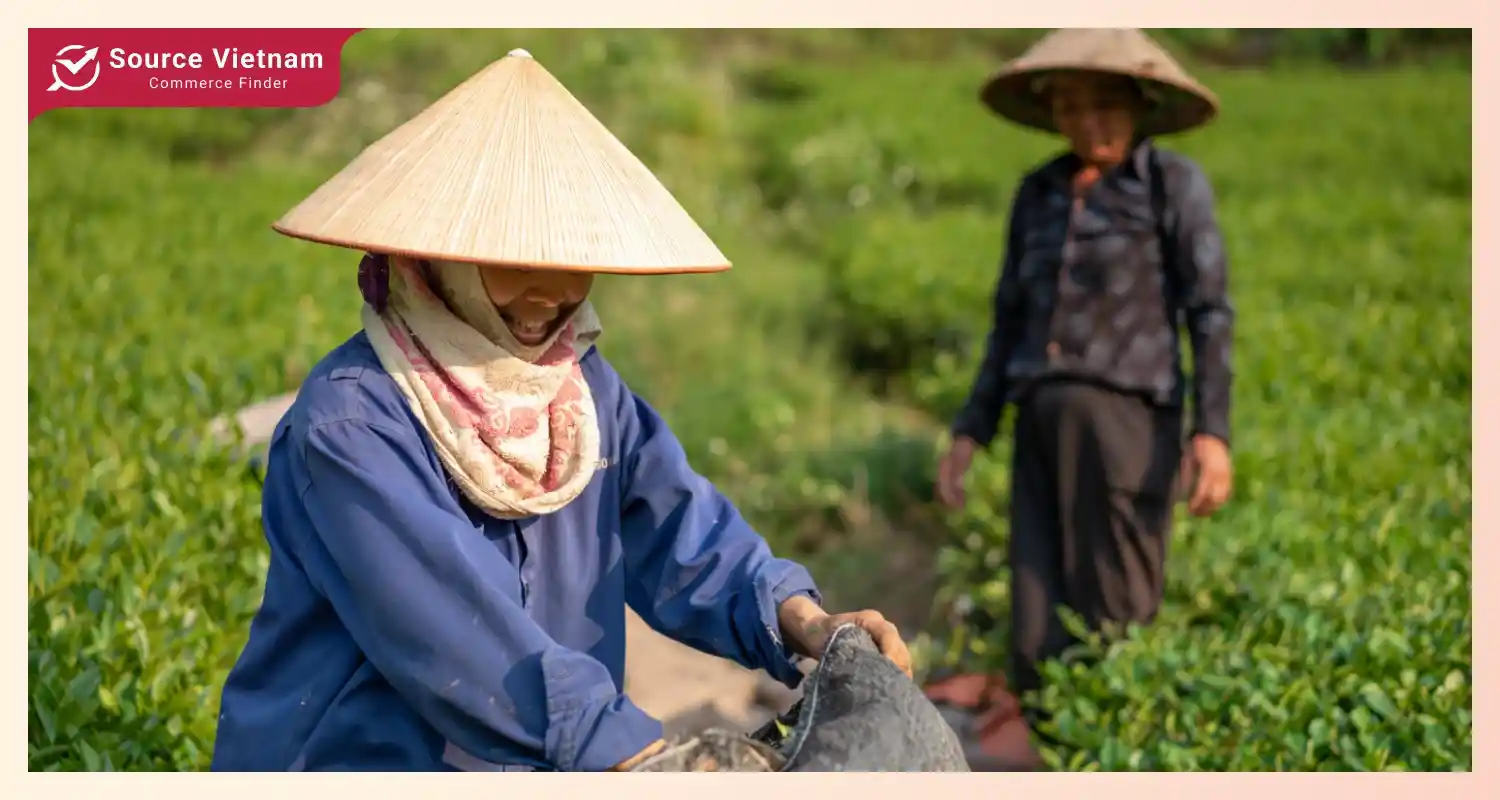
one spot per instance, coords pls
(1092, 489)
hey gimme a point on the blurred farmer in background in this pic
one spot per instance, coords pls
(466, 495)
(1112, 246)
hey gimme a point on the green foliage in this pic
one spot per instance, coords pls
(1320, 622)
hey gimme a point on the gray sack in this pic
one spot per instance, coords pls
(858, 713)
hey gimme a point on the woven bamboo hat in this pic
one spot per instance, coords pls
(1179, 101)
(507, 168)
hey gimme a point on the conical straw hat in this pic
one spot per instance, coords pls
(508, 168)
(1180, 102)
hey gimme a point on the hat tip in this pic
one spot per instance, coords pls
(518, 53)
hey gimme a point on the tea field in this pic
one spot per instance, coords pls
(1320, 622)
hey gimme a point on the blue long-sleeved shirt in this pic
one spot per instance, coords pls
(404, 629)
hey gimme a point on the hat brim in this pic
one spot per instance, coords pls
(1181, 104)
(509, 169)
(530, 265)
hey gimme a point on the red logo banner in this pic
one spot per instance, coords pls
(182, 67)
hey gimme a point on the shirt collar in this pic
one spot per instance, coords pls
(1136, 163)
(1140, 157)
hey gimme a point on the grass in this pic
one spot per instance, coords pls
(1321, 622)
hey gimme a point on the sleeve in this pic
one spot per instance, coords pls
(437, 610)
(1203, 279)
(980, 417)
(696, 570)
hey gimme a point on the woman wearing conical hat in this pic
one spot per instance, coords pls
(465, 495)
(1112, 246)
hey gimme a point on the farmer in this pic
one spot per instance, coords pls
(1112, 245)
(466, 496)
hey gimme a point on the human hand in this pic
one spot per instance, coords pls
(1215, 480)
(636, 760)
(952, 469)
(807, 628)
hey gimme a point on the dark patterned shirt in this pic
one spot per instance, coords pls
(1100, 291)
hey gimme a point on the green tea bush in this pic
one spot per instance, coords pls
(896, 302)
(841, 147)
(1322, 621)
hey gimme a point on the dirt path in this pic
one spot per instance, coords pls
(686, 688)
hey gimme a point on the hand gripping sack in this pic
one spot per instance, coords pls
(858, 713)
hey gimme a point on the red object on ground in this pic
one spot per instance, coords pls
(988, 720)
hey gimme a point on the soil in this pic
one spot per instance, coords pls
(691, 691)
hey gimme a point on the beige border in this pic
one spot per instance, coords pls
(824, 13)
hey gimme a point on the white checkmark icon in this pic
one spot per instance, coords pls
(90, 56)
(74, 66)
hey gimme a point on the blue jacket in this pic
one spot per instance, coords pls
(403, 629)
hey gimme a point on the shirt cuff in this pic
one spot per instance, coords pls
(775, 656)
(603, 734)
(591, 725)
(1218, 429)
(977, 423)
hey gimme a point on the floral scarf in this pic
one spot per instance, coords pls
(515, 426)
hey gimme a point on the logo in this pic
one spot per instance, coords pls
(75, 69)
